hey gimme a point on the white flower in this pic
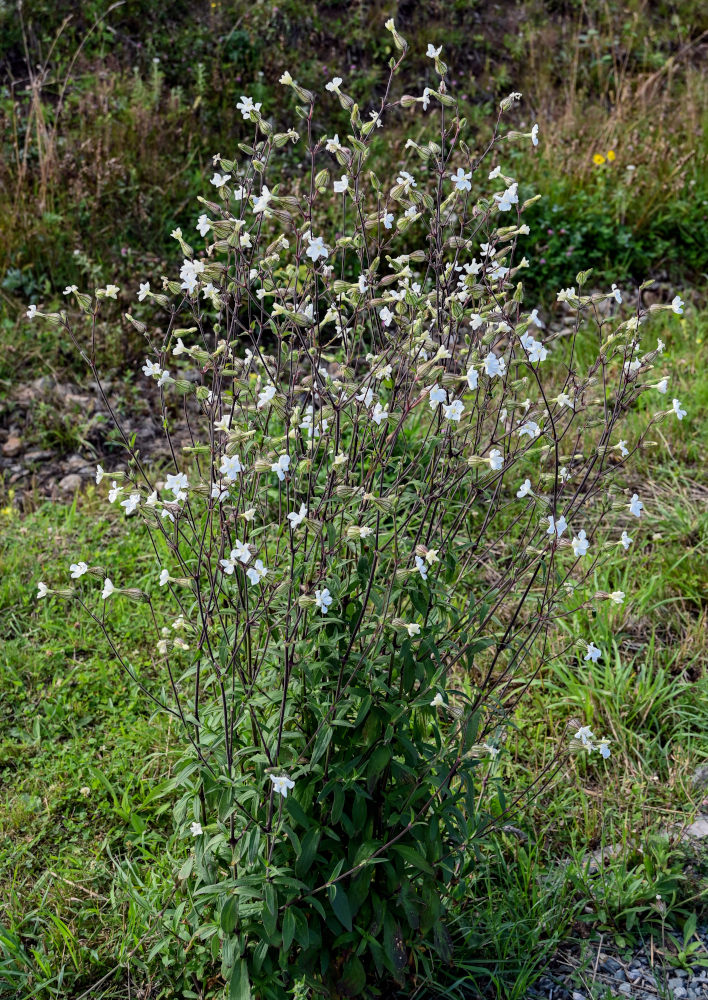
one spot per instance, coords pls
(525, 489)
(386, 316)
(316, 248)
(677, 409)
(593, 653)
(71, 288)
(78, 569)
(108, 589)
(472, 377)
(230, 467)
(437, 395)
(42, 590)
(32, 311)
(530, 428)
(425, 98)
(625, 540)
(265, 395)
(362, 283)
(281, 466)
(334, 84)
(241, 552)
(580, 544)
(410, 212)
(366, 396)
(114, 492)
(143, 290)
(534, 134)
(131, 503)
(223, 424)
(413, 629)
(617, 596)
(110, 291)
(296, 518)
(387, 220)
(406, 179)
(420, 565)
(164, 378)
(281, 784)
(323, 600)
(164, 577)
(257, 572)
(508, 198)
(286, 79)
(662, 386)
(617, 294)
(677, 305)
(342, 185)
(203, 225)
(262, 201)
(380, 413)
(196, 829)
(533, 318)
(333, 145)
(246, 106)
(462, 180)
(432, 52)
(454, 411)
(150, 368)
(604, 747)
(218, 180)
(176, 483)
(493, 174)
(99, 474)
(495, 459)
(494, 365)
(556, 527)
(635, 505)
(438, 701)
(586, 736)
(624, 450)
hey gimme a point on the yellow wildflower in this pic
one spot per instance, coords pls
(598, 159)
(610, 155)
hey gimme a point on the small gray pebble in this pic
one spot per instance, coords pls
(626, 989)
(620, 975)
(610, 965)
(680, 992)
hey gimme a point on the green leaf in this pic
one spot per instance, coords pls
(289, 925)
(353, 978)
(412, 857)
(321, 743)
(229, 913)
(340, 905)
(240, 987)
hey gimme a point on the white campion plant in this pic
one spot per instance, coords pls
(391, 482)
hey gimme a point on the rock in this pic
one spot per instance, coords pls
(620, 975)
(76, 462)
(38, 455)
(699, 829)
(12, 447)
(610, 965)
(626, 989)
(70, 483)
(700, 777)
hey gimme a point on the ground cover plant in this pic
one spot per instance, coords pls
(367, 435)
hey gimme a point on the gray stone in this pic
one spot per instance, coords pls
(70, 483)
(620, 975)
(626, 989)
(12, 447)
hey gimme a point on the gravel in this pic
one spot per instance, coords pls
(619, 975)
